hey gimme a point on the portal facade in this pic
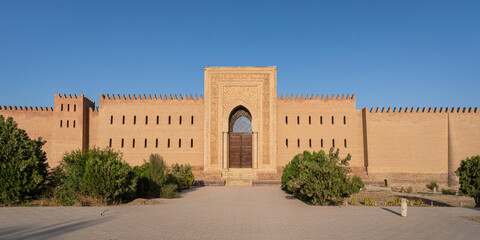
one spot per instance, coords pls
(243, 129)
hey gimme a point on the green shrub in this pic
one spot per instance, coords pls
(97, 173)
(181, 175)
(154, 180)
(469, 173)
(449, 191)
(369, 202)
(151, 177)
(432, 185)
(169, 190)
(320, 179)
(23, 166)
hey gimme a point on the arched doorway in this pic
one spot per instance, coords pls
(240, 138)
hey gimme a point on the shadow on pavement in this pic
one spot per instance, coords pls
(189, 190)
(390, 210)
(49, 231)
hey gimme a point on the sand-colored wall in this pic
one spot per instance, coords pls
(464, 138)
(314, 107)
(35, 121)
(415, 142)
(69, 125)
(140, 107)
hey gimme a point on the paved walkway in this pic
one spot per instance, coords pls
(236, 213)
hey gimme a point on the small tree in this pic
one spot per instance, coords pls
(23, 166)
(320, 179)
(97, 173)
(151, 177)
(469, 173)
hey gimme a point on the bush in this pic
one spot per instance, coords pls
(96, 173)
(469, 173)
(432, 185)
(151, 177)
(156, 181)
(409, 189)
(181, 175)
(320, 179)
(23, 166)
(449, 191)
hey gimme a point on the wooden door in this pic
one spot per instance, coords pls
(240, 151)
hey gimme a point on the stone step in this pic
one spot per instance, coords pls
(266, 183)
(239, 175)
(238, 183)
(209, 182)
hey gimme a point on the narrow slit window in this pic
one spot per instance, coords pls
(309, 119)
(286, 142)
(298, 119)
(156, 143)
(286, 119)
(110, 143)
(345, 143)
(158, 119)
(68, 107)
(61, 123)
(310, 142)
(321, 143)
(111, 119)
(180, 120)
(73, 123)
(61, 107)
(192, 120)
(191, 143)
(123, 141)
(145, 143)
(146, 120)
(169, 120)
(333, 142)
(133, 143)
(333, 120)
(68, 123)
(321, 120)
(344, 120)
(134, 120)
(298, 142)
(168, 143)
(179, 143)
(74, 107)
(123, 119)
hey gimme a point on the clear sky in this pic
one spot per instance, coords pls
(388, 53)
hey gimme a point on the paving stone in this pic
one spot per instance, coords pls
(236, 213)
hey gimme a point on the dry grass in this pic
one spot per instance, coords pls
(381, 197)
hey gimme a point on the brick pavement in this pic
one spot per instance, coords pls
(236, 213)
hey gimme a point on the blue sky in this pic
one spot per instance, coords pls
(388, 53)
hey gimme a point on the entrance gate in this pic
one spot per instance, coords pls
(240, 138)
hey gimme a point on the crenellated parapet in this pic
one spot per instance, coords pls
(328, 97)
(26, 108)
(424, 110)
(149, 97)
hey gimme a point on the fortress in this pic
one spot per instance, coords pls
(243, 131)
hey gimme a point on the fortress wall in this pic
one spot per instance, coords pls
(464, 138)
(36, 121)
(110, 124)
(319, 107)
(407, 145)
(93, 127)
(69, 126)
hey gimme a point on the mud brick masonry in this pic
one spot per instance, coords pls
(243, 125)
